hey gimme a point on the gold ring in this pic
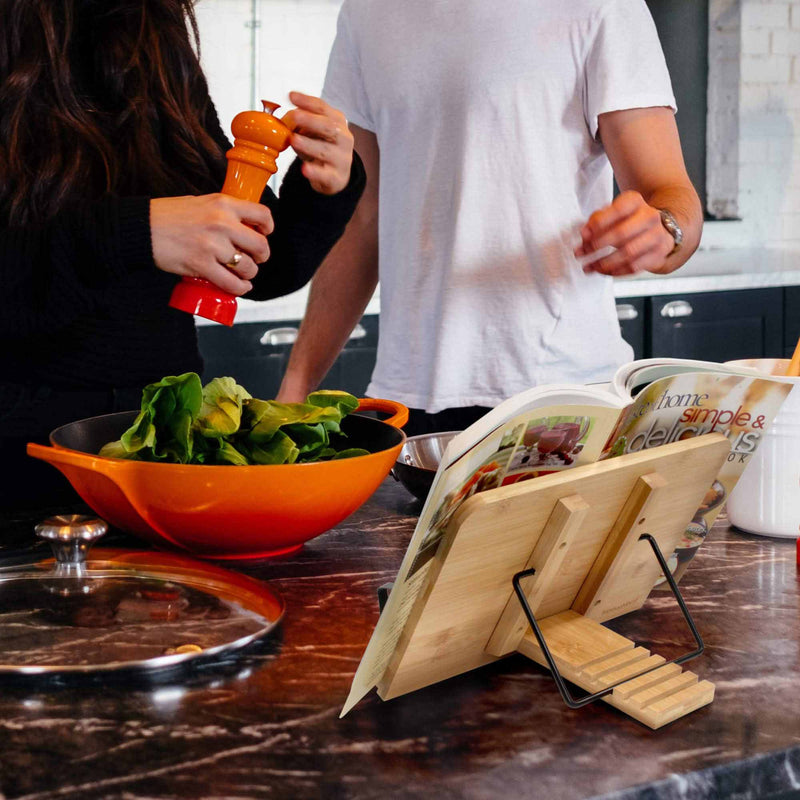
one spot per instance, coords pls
(234, 260)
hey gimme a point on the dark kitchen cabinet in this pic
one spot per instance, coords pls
(718, 326)
(791, 320)
(255, 354)
(249, 352)
(631, 315)
(683, 29)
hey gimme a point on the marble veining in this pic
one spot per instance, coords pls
(265, 722)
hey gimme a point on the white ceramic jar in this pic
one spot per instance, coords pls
(766, 499)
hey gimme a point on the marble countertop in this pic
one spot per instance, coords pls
(266, 724)
(719, 270)
(711, 270)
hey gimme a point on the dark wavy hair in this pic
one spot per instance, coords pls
(101, 96)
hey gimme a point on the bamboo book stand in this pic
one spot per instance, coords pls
(536, 567)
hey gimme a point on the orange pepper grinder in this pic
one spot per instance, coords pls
(259, 137)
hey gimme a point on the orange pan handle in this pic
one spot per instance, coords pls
(114, 469)
(73, 458)
(398, 411)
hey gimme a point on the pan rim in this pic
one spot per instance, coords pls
(163, 464)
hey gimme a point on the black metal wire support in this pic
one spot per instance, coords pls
(557, 677)
(679, 597)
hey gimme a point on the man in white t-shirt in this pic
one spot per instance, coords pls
(489, 131)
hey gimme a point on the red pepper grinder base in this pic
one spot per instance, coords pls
(204, 299)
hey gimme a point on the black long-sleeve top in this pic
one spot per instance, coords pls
(85, 308)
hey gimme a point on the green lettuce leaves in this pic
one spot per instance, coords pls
(181, 421)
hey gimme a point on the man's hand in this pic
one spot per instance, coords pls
(634, 229)
(323, 141)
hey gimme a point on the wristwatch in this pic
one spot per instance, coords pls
(673, 229)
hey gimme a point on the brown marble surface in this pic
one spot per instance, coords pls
(266, 724)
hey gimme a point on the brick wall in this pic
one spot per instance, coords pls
(769, 123)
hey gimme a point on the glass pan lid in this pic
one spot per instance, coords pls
(123, 610)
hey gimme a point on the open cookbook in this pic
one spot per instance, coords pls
(549, 429)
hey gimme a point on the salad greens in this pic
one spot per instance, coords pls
(181, 421)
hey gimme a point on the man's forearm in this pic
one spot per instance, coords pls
(341, 288)
(338, 297)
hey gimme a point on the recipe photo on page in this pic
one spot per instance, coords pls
(555, 428)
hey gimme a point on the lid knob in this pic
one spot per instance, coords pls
(70, 537)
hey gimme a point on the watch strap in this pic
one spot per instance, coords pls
(673, 229)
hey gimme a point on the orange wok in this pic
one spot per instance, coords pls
(226, 512)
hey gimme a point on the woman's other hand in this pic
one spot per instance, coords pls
(323, 141)
(200, 237)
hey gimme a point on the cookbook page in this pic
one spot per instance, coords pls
(692, 404)
(633, 376)
(536, 442)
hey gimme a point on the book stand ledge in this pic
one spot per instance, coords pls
(536, 567)
(646, 687)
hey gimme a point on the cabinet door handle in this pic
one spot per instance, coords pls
(676, 308)
(626, 312)
(359, 332)
(279, 336)
(289, 335)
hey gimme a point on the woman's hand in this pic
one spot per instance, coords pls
(200, 237)
(323, 141)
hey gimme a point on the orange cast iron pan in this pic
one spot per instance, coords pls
(225, 512)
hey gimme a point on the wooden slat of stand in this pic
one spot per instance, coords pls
(593, 657)
(547, 559)
(580, 530)
(622, 538)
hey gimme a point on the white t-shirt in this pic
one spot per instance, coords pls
(486, 117)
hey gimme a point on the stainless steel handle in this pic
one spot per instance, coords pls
(275, 336)
(359, 332)
(626, 312)
(279, 336)
(676, 308)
